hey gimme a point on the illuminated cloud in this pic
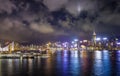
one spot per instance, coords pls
(13, 29)
(6, 6)
(42, 27)
(54, 5)
(72, 6)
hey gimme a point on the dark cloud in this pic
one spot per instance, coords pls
(54, 19)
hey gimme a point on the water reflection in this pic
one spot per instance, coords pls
(10, 66)
(85, 63)
(0, 69)
(30, 66)
(102, 63)
(118, 63)
(75, 66)
(65, 63)
(70, 63)
(98, 55)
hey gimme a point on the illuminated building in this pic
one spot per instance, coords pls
(94, 38)
(10, 47)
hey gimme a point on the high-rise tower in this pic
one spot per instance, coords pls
(94, 38)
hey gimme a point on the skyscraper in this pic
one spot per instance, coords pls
(94, 38)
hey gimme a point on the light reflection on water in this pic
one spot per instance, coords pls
(65, 63)
(0, 69)
(75, 64)
(86, 61)
(102, 65)
(118, 64)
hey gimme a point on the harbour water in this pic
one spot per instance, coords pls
(65, 63)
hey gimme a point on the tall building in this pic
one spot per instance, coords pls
(94, 38)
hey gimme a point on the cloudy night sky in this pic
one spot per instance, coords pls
(42, 20)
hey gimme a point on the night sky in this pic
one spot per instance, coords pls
(44, 20)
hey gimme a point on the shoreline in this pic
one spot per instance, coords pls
(13, 56)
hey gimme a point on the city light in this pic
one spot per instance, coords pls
(83, 47)
(71, 46)
(81, 41)
(98, 39)
(84, 40)
(72, 42)
(116, 39)
(118, 43)
(75, 45)
(104, 38)
(98, 55)
(64, 44)
(75, 39)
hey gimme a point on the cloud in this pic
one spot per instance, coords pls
(6, 24)
(6, 6)
(42, 27)
(54, 5)
(60, 18)
(111, 18)
(65, 23)
(28, 16)
(72, 6)
(13, 29)
(87, 27)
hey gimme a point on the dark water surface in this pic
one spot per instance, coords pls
(65, 63)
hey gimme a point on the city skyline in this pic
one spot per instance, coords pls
(59, 37)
